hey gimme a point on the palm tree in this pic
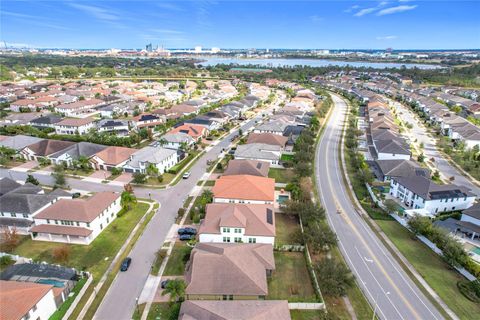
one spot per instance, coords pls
(176, 289)
(127, 199)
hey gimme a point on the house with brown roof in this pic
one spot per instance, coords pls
(77, 221)
(78, 108)
(197, 132)
(249, 167)
(44, 148)
(111, 157)
(239, 310)
(235, 223)
(26, 300)
(244, 189)
(147, 120)
(74, 126)
(226, 271)
(268, 138)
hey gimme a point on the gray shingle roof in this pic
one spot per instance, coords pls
(19, 142)
(85, 149)
(258, 151)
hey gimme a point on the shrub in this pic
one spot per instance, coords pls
(470, 289)
(6, 261)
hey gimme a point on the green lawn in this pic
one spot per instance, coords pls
(159, 257)
(290, 280)
(286, 157)
(285, 227)
(163, 311)
(281, 175)
(432, 268)
(95, 257)
(306, 315)
(178, 259)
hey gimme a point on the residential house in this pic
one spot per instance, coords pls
(117, 127)
(111, 157)
(226, 271)
(271, 127)
(207, 122)
(260, 151)
(247, 167)
(386, 169)
(75, 152)
(77, 221)
(244, 189)
(428, 198)
(197, 132)
(470, 221)
(177, 141)
(147, 121)
(268, 138)
(46, 121)
(44, 148)
(26, 300)
(73, 126)
(18, 142)
(79, 108)
(163, 159)
(234, 223)
(240, 310)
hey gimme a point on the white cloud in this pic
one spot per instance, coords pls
(396, 9)
(168, 6)
(365, 11)
(315, 18)
(97, 12)
(387, 38)
(352, 8)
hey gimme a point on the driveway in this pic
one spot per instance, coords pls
(100, 174)
(125, 177)
(27, 166)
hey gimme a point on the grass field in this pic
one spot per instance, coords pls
(95, 257)
(281, 175)
(178, 259)
(432, 268)
(305, 314)
(285, 227)
(291, 280)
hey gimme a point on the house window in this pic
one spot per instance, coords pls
(56, 221)
(48, 221)
(78, 224)
(226, 239)
(101, 226)
(252, 240)
(34, 308)
(226, 230)
(88, 224)
(13, 215)
(237, 230)
(238, 240)
(227, 297)
(25, 215)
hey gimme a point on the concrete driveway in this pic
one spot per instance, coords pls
(27, 166)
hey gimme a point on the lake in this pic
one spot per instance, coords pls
(271, 63)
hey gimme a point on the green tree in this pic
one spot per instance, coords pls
(176, 289)
(31, 179)
(420, 225)
(319, 237)
(127, 199)
(454, 253)
(59, 175)
(334, 277)
(139, 178)
(390, 206)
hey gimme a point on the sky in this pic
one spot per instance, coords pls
(334, 24)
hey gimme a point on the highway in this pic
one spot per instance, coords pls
(388, 288)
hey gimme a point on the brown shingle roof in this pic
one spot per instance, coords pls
(244, 187)
(115, 155)
(63, 230)
(75, 122)
(267, 138)
(17, 298)
(252, 217)
(238, 310)
(249, 167)
(47, 147)
(85, 210)
(231, 269)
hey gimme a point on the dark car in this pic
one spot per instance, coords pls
(164, 283)
(125, 264)
(76, 195)
(187, 231)
(186, 237)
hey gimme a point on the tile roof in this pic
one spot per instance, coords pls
(267, 138)
(61, 230)
(244, 187)
(84, 210)
(115, 155)
(17, 298)
(235, 269)
(48, 147)
(256, 219)
(238, 310)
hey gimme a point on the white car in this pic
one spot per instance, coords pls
(186, 175)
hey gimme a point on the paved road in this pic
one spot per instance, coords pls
(430, 150)
(382, 279)
(119, 302)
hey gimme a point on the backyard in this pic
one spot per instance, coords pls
(432, 268)
(281, 175)
(291, 280)
(286, 227)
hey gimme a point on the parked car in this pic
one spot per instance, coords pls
(125, 264)
(186, 237)
(76, 195)
(186, 175)
(164, 283)
(187, 230)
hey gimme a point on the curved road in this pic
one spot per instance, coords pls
(385, 284)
